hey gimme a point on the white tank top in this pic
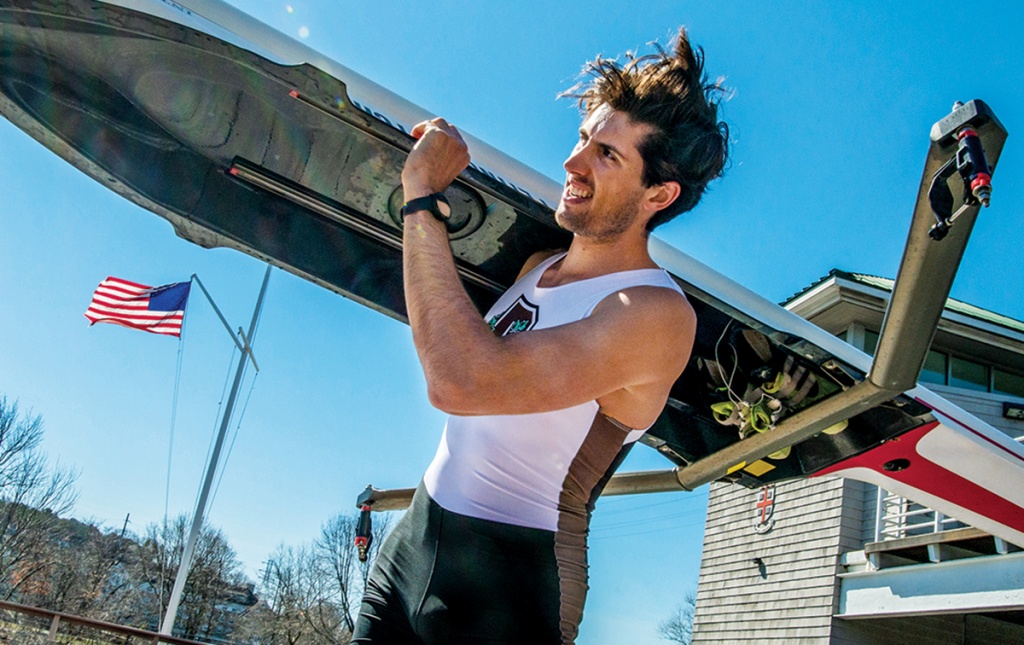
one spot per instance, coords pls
(528, 469)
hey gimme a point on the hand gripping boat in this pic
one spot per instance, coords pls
(244, 138)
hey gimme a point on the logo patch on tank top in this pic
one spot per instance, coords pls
(521, 316)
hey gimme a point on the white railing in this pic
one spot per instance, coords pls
(898, 517)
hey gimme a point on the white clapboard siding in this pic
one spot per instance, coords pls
(792, 597)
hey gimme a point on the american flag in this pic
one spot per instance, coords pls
(159, 310)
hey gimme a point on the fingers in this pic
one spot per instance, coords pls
(437, 158)
(437, 123)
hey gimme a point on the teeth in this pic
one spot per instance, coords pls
(578, 192)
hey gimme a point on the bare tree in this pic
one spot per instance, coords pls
(679, 627)
(290, 603)
(309, 595)
(215, 574)
(32, 497)
(92, 575)
(344, 576)
(78, 568)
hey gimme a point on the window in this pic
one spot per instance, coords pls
(968, 374)
(1007, 383)
(934, 370)
(870, 341)
(944, 369)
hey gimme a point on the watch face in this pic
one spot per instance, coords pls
(462, 209)
(443, 207)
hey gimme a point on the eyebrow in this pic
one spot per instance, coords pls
(616, 151)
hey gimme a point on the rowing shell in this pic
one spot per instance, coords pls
(241, 137)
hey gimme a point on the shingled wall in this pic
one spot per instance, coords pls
(791, 596)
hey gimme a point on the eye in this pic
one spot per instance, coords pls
(608, 152)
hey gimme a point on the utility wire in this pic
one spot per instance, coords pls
(648, 520)
(621, 505)
(675, 527)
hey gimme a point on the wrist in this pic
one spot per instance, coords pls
(433, 205)
(423, 219)
(415, 190)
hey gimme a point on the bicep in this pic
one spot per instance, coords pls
(633, 338)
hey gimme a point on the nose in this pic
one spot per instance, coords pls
(576, 163)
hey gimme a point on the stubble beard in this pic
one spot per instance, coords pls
(584, 223)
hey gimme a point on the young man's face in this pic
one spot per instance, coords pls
(603, 185)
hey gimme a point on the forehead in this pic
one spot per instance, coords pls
(612, 126)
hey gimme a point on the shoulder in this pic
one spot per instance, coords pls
(655, 313)
(649, 333)
(534, 260)
(644, 300)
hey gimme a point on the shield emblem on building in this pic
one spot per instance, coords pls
(521, 316)
(764, 510)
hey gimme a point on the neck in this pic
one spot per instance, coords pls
(589, 258)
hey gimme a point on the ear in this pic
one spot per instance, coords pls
(660, 196)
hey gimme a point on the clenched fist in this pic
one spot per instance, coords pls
(438, 157)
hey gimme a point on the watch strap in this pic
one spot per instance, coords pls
(428, 203)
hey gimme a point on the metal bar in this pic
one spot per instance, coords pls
(914, 513)
(879, 514)
(791, 431)
(248, 348)
(213, 304)
(395, 499)
(928, 266)
(90, 623)
(648, 481)
(919, 295)
(211, 469)
(1001, 546)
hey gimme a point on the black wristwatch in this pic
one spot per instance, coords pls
(437, 204)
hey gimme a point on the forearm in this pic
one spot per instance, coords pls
(453, 342)
(448, 331)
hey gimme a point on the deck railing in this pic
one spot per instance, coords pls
(58, 619)
(898, 517)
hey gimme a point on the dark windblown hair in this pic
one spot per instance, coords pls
(671, 94)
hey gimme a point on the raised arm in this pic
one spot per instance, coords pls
(626, 355)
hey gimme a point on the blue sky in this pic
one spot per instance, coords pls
(830, 116)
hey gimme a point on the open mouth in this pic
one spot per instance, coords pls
(577, 193)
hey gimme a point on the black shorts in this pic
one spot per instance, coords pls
(446, 579)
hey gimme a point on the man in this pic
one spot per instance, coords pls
(566, 371)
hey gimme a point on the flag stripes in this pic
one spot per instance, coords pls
(159, 310)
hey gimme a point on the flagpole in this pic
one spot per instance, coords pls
(197, 520)
(216, 309)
